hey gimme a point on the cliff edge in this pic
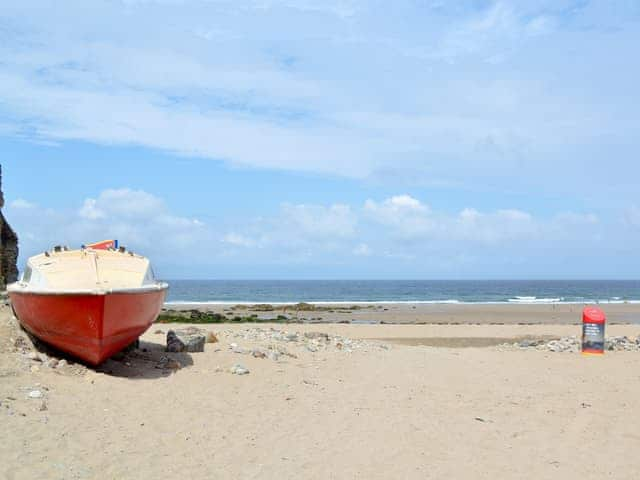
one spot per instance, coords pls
(8, 247)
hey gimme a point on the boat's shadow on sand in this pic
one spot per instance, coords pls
(148, 361)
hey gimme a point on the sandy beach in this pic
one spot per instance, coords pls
(376, 402)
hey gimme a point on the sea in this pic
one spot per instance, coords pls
(404, 291)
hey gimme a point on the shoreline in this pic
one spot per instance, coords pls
(414, 313)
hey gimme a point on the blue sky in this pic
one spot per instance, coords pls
(328, 139)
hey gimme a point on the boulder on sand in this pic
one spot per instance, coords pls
(186, 340)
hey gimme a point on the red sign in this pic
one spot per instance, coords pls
(593, 322)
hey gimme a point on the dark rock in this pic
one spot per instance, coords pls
(8, 248)
(186, 340)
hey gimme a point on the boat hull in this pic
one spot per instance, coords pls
(91, 327)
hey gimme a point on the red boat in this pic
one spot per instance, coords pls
(90, 303)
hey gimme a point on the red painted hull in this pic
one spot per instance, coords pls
(89, 327)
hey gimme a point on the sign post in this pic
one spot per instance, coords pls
(593, 322)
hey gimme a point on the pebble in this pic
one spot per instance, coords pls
(238, 369)
(33, 356)
(62, 363)
(573, 344)
(35, 394)
(273, 339)
(169, 363)
(211, 338)
(317, 335)
(275, 356)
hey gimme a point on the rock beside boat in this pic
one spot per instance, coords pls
(186, 340)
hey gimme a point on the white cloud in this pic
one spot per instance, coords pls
(334, 221)
(90, 210)
(140, 220)
(21, 203)
(397, 233)
(495, 227)
(632, 216)
(363, 250)
(122, 202)
(205, 84)
(238, 240)
(406, 215)
(577, 218)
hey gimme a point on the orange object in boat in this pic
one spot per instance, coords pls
(103, 245)
(89, 303)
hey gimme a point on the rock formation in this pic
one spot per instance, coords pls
(8, 247)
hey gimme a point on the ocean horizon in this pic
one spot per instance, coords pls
(404, 291)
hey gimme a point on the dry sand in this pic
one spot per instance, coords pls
(402, 412)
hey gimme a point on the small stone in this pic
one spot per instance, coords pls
(291, 337)
(33, 356)
(238, 369)
(52, 363)
(317, 336)
(62, 363)
(43, 406)
(35, 394)
(211, 338)
(43, 357)
(259, 354)
(169, 363)
(275, 356)
(312, 348)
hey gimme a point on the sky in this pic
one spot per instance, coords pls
(327, 139)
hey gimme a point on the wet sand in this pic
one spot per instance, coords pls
(403, 411)
(420, 313)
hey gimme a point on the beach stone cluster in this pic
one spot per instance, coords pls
(274, 343)
(33, 358)
(574, 344)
